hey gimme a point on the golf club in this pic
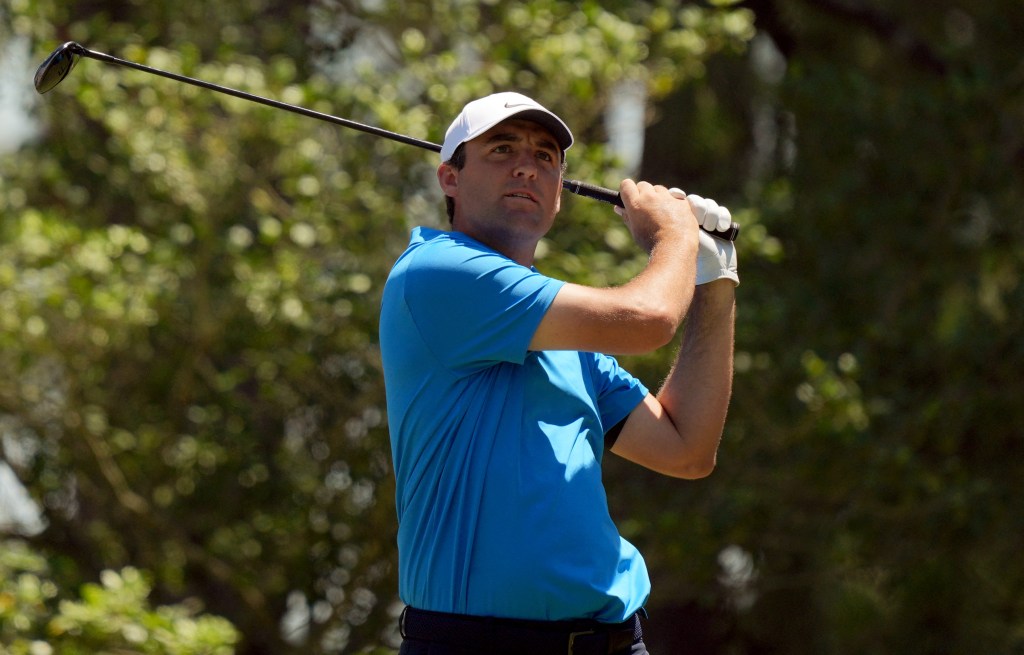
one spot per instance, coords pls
(60, 62)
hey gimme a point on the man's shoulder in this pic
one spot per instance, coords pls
(428, 240)
(453, 268)
(425, 245)
(439, 251)
(422, 234)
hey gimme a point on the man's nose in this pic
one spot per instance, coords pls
(525, 166)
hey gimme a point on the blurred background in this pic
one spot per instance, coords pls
(194, 444)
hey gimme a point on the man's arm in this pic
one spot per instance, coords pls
(677, 431)
(645, 313)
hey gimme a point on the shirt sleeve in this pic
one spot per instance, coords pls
(474, 307)
(618, 392)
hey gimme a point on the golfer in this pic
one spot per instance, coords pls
(503, 396)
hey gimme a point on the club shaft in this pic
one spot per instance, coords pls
(369, 129)
(574, 186)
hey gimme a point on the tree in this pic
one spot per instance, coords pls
(190, 380)
(115, 616)
(866, 472)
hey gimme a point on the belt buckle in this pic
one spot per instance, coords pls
(573, 635)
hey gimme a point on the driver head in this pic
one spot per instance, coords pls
(57, 66)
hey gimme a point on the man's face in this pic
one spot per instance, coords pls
(509, 191)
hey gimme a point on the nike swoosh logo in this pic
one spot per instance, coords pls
(517, 104)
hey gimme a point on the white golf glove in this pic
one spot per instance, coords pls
(716, 258)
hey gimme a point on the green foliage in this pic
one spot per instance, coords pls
(190, 283)
(873, 444)
(189, 290)
(111, 617)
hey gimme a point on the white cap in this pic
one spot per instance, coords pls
(481, 115)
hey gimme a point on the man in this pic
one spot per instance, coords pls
(500, 403)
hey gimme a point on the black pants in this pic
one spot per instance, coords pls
(435, 633)
(415, 647)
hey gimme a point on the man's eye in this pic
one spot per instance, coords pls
(546, 156)
(503, 148)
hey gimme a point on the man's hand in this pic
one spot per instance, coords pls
(645, 313)
(716, 258)
(652, 215)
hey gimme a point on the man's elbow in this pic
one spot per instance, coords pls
(658, 327)
(694, 469)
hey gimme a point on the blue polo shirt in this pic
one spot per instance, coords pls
(497, 449)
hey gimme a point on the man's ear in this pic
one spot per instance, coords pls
(448, 179)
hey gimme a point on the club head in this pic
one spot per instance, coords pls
(57, 66)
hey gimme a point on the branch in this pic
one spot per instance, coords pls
(112, 473)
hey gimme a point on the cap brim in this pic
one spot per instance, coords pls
(552, 123)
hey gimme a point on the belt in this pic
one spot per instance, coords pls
(493, 635)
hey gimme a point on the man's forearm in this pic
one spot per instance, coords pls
(697, 391)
